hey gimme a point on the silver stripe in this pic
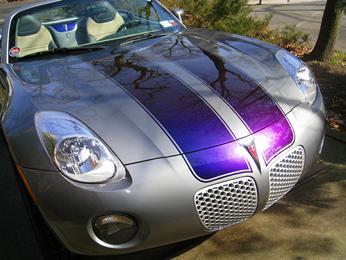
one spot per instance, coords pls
(229, 116)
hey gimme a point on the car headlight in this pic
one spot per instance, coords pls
(301, 74)
(77, 152)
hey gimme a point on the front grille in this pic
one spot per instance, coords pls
(285, 174)
(227, 203)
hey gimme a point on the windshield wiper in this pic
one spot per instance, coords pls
(149, 35)
(63, 51)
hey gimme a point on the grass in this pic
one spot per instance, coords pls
(339, 58)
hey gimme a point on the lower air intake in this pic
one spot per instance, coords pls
(285, 174)
(227, 203)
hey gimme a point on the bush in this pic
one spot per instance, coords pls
(235, 16)
(223, 15)
(290, 35)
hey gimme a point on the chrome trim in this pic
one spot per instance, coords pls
(284, 174)
(225, 204)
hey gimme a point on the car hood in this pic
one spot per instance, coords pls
(161, 97)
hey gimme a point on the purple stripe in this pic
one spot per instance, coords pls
(224, 160)
(185, 117)
(274, 138)
(254, 106)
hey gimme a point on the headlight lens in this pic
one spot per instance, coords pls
(78, 153)
(301, 74)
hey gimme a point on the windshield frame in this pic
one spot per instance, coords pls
(5, 43)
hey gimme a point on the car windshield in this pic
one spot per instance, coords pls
(74, 24)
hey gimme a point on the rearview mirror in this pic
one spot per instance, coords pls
(178, 12)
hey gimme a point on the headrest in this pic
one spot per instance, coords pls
(28, 25)
(102, 12)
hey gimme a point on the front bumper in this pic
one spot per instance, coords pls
(158, 194)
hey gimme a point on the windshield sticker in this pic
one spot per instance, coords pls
(173, 23)
(166, 24)
(14, 52)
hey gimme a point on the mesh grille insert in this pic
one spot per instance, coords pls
(227, 203)
(285, 174)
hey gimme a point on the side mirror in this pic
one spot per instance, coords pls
(178, 13)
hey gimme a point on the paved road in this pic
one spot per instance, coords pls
(307, 17)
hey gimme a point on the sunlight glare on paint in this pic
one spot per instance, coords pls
(239, 150)
(263, 142)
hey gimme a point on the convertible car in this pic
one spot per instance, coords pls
(131, 131)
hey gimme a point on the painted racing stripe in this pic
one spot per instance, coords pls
(208, 146)
(230, 117)
(249, 100)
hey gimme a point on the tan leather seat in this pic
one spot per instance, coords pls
(103, 21)
(32, 36)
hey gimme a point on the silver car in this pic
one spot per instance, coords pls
(131, 131)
